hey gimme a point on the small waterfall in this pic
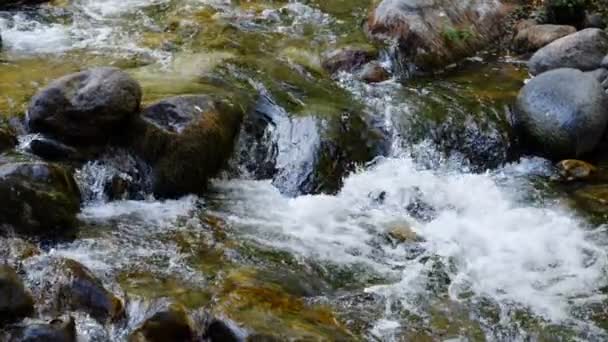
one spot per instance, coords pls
(115, 176)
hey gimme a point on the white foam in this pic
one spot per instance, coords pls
(150, 212)
(502, 246)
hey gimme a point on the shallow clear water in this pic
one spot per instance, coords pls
(491, 255)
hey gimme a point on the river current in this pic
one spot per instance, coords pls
(491, 255)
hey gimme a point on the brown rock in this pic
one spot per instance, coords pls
(575, 170)
(534, 37)
(373, 72)
(347, 58)
(435, 33)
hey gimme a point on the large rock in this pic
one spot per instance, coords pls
(583, 50)
(75, 287)
(534, 37)
(171, 324)
(85, 107)
(434, 33)
(37, 198)
(187, 139)
(562, 113)
(15, 301)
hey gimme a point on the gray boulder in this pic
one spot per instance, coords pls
(534, 37)
(561, 113)
(583, 50)
(85, 107)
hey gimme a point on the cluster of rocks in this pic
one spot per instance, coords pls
(185, 140)
(71, 287)
(562, 112)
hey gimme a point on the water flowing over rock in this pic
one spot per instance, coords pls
(432, 34)
(61, 329)
(15, 301)
(583, 50)
(303, 155)
(86, 107)
(69, 285)
(562, 113)
(38, 198)
(187, 139)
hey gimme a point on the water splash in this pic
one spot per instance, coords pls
(501, 246)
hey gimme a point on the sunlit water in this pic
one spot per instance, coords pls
(495, 233)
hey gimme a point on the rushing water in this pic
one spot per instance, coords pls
(491, 255)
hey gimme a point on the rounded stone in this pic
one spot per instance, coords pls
(561, 114)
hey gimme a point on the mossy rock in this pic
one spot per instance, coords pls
(15, 301)
(38, 198)
(187, 139)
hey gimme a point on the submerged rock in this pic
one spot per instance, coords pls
(37, 198)
(534, 37)
(583, 50)
(58, 330)
(433, 34)
(171, 324)
(15, 301)
(561, 113)
(187, 139)
(85, 107)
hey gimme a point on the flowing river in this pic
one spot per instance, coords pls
(415, 244)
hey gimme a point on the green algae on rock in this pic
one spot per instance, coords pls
(39, 199)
